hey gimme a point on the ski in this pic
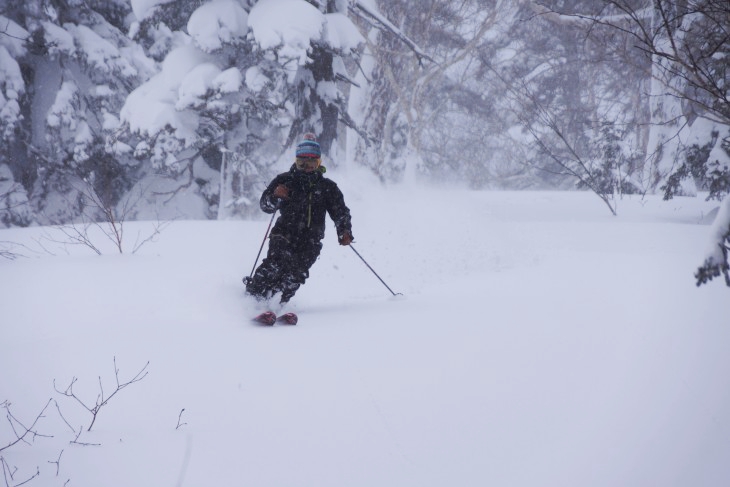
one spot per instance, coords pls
(288, 319)
(268, 318)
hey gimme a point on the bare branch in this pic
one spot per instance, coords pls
(7, 250)
(101, 399)
(76, 441)
(650, 25)
(57, 462)
(7, 471)
(111, 224)
(157, 229)
(58, 408)
(75, 236)
(179, 418)
(363, 11)
(36, 474)
(24, 430)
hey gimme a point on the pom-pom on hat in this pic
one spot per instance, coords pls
(309, 147)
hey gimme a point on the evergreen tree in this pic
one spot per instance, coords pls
(247, 85)
(76, 67)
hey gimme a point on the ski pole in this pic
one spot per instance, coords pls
(263, 242)
(373, 271)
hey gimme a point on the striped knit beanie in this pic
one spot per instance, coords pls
(309, 148)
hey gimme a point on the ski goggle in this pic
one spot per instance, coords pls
(304, 163)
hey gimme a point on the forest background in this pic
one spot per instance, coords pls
(156, 109)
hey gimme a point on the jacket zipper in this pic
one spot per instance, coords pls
(309, 212)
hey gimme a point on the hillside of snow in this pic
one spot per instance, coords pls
(539, 341)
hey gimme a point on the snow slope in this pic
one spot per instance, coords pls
(540, 341)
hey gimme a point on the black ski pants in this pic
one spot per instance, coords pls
(284, 269)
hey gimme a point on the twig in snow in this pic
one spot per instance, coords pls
(36, 474)
(58, 408)
(76, 441)
(25, 430)
(101, 399)
(7, 471)
(57, 462)
(179, 417)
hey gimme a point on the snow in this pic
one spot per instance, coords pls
(14, 199)
(718, 232)
(11, 79)
(341, 33)
(61, 113)
(255, 79)
(195, 85)
(180, 62)
(100, 53)
(186, 80)
(150, 108)
(719, 157)
(110, 122)
(144, 8)
(229, 81)
(327, 90)
(286, 25)
(166, 101)
(58, 39)
(13, 38)
(203, 78)
(82, 140)
(216, 23)
(539, 341)
(11, 86)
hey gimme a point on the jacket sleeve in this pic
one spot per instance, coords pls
(268, 202)
(338, 211)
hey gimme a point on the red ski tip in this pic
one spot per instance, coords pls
(266, 318)
(288, 318)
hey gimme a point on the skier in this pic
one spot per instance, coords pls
(303, 195)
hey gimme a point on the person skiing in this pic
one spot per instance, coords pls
(303, 195)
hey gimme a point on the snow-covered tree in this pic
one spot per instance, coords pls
(12, 84)
(562, 104)
(14, 207)
(499, 72)
(236, 88)
(687, 46)
(67, 68)
(717, 256)
(413, 104)
(169, 109)
(688, 142)
(649, 69)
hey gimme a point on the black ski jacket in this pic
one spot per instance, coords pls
(302, 216)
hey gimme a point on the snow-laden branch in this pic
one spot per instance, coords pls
(376, 19)
(654, 29)
(577, 19)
